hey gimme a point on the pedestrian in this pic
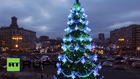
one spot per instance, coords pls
(22, 69)
(47, 76)
(42, 67)
(42, 77)
(35, 77)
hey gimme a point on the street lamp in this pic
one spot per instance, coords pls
(138, 48)
(121, 39)
(118, 40)
(16, 46)
(17, 38)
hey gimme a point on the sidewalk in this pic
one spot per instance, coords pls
(31, 75)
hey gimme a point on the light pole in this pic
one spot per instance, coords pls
(121, 40)
(118, 40)
(17, 38)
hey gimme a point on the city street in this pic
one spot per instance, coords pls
(107, 72)
(129, 73)
(70, 39)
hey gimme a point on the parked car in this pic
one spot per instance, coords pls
(129, 62)
(54, 61)
(14, 56)
(32, 53)
(45, 58)
(107, 64)
(110, 59)
(126, 57)
(119, 60)
(1, 56)
(104, 57)
(134, 58)
(2, 66)
(35, 59)
(136, 64)
(99, 56)
(8, 75)
(55, 54)
(119, 67)
(22, 58)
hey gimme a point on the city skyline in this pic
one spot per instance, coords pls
(45, 17)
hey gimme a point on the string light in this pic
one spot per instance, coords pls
(63, 56)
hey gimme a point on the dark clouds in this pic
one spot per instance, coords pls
(49, 17)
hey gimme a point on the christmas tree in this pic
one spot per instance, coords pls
(78, 60)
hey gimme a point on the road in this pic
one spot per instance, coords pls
(107, 72)
(110, 73)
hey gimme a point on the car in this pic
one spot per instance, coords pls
(134, 58)
(32, 53)
(119, 60)
(99, 56)
(129, 62)
(126, 57)
(14, 56)
(3, 65)
(54, 61)
(22, 58)
(136, 64)
(45, 58)
(110, 59)
(36, 57)
(104, 57)
(1, 56)
(119, 67)
(55, 54)
(8, 75)
(107, 64)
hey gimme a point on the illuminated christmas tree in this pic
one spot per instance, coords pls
(78, 59)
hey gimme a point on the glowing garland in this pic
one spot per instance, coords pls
(94, 71)
(73, 74)
(86, 29)
(71, 21)
(76, 47)
(70, 38)
(82, 59)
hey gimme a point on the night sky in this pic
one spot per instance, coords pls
(49, 17)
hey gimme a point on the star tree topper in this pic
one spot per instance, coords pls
(77, 1)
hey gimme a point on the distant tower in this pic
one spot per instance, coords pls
(14, 22)
(101, 36)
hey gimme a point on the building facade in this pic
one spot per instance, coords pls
(128, 37)
(44, 40)
(15, 37)
(101, 37)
